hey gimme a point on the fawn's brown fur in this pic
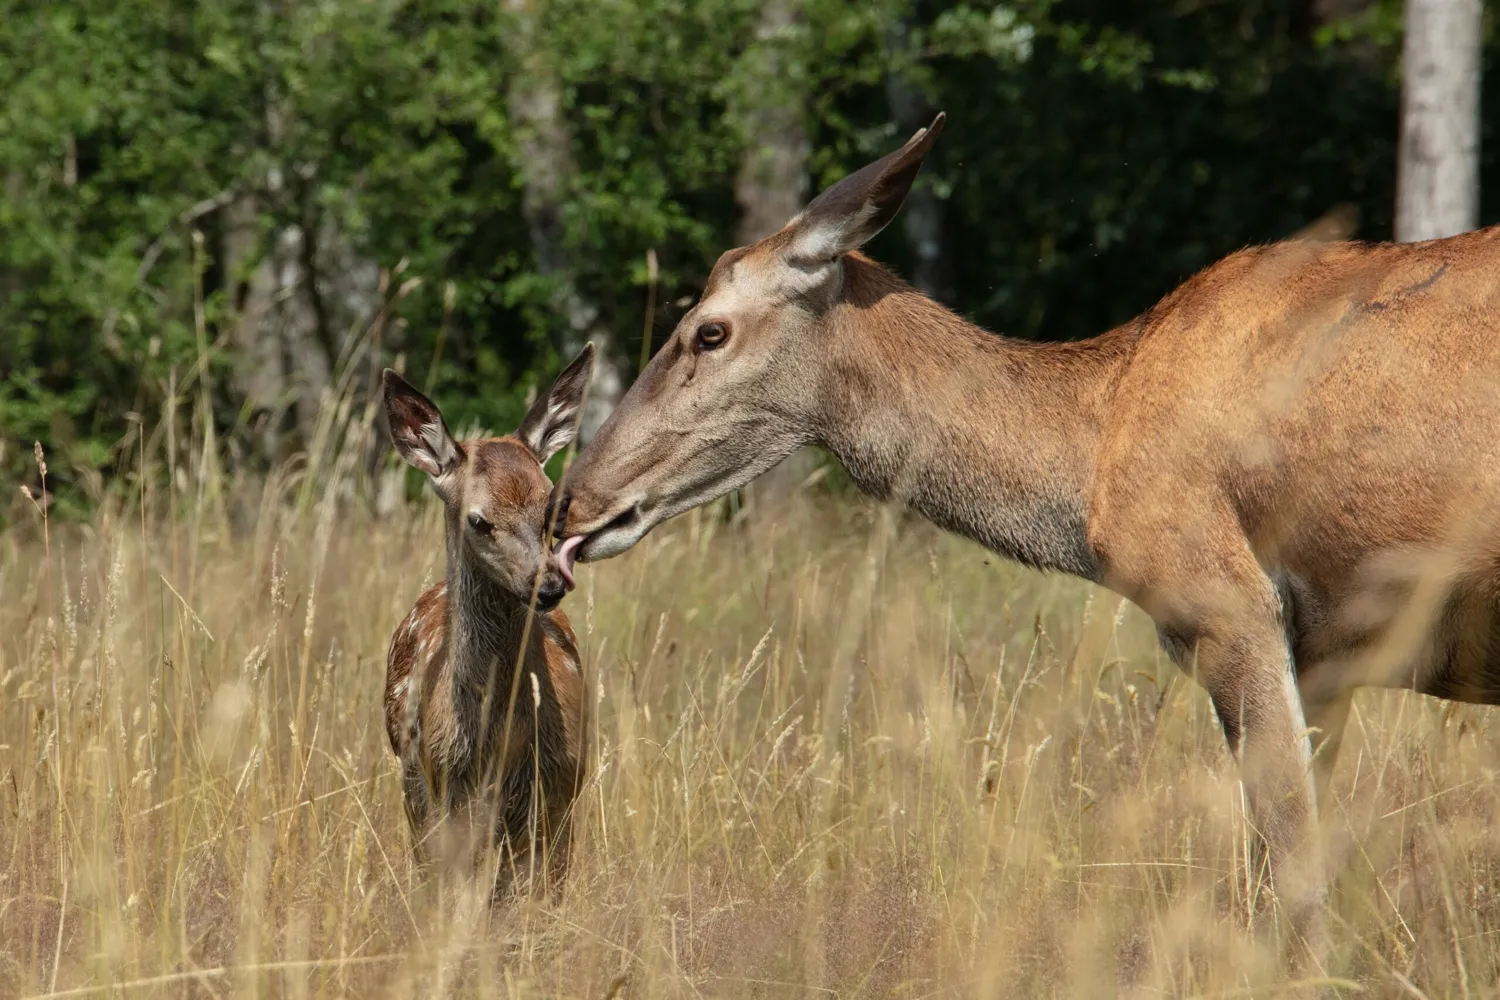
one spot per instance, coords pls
(484, 700)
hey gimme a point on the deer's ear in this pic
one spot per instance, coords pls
(417, 428)
(850, 213)
(552, 421)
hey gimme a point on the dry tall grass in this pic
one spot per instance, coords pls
(836, 753)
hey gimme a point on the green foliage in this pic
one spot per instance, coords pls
(1098, 152)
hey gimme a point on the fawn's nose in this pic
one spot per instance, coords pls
(557, 512)
(550, 593)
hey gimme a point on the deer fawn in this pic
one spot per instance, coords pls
(1292, 462)
(484, 699)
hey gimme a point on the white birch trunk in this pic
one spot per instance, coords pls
(1437, 178)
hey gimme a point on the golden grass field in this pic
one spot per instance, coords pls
(835, 754)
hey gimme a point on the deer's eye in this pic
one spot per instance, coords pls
(712, 335)
(480, 525)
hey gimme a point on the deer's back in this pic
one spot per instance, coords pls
(1335, 409)
(1335, 397)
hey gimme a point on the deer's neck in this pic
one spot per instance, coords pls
(486, 629)
(990, 438)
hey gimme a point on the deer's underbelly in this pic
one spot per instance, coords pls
(1401, 623)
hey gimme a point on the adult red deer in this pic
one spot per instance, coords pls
(1292, 462)
(484, 701)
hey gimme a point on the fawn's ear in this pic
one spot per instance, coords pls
(417, 428)
(552, 421)
(850, 213)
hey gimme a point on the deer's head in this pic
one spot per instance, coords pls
(737, 386)
(494, 490)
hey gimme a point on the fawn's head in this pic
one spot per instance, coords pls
(494, 490)
(738, 385)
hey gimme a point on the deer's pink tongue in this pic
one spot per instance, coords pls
(564, 556)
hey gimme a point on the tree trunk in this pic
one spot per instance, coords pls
(771, 186)
(259, 376)
(1437, 187)
(547, 169)
(772, 182)
(304, 298)
(283, 365)
(924, 212)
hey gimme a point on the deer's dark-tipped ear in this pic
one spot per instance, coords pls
(417, 428)
(850, 213)
(552, 421)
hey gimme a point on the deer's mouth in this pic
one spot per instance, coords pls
(614, 536)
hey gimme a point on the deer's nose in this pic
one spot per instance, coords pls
(550, 594)
(557, 513)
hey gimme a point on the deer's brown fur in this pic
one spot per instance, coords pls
(484, 699)
(1292, 462)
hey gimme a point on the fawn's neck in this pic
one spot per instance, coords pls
(993, 439)
(487, 627)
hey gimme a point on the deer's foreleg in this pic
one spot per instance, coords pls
(1235, 644)
(1221, 617)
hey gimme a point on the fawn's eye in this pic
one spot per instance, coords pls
(711, 335)
(480, 525)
